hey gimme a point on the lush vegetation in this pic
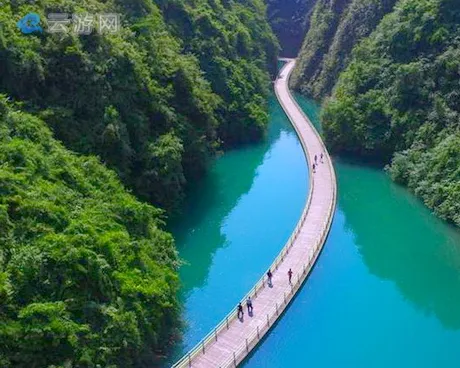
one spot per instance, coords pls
(290, 21)
(87, 276)
(398, 101)
(335, 28)
(154, 100)
(234, 46)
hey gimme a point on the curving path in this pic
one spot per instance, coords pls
(232, 340)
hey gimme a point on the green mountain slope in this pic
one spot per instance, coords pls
(398, 101)
(87, 276)
(235, 47)
(335, 28)
(154, 100)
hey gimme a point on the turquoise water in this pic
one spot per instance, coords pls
(235, 222)
(385, 291)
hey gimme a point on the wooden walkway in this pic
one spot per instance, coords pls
(232, 340)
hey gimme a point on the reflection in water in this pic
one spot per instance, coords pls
(227, 234)
(417, 251)
(210, 202)
(385, 291)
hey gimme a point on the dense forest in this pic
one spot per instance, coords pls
(154, 100)
(87, 276)
(96, 130)
(398, 101)
(335, 28)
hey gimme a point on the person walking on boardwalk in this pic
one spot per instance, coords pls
(314, 168)
(249, 304)
(240, 311)
(290, 275)
(321, 157)
(316, 160)
(269, 276)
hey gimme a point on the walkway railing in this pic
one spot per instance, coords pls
(253, 339)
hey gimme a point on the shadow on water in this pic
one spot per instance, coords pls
(209, 202)
(198, 233)
(400, 240)
(385, 291)
(416, 250)
(226, 235)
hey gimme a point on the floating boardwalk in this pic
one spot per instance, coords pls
(232, 340)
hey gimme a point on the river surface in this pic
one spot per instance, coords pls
(235, 222)
(385, 291)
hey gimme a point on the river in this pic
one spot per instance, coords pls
(235, 222)
(385, 290)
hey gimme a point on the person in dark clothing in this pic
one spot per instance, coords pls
(321, 157)
(249, 305)
(240, 311)
(316, 159)
(290, 275)
(314, 168)
(269, 276)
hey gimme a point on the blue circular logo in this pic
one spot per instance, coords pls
(30, 24)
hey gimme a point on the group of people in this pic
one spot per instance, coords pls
(249, 300)
(269, 272)
(315, 164)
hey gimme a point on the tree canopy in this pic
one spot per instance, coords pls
(290, 20)
(397, 101)
(335, 28)
(87, 275)
(182, 76)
